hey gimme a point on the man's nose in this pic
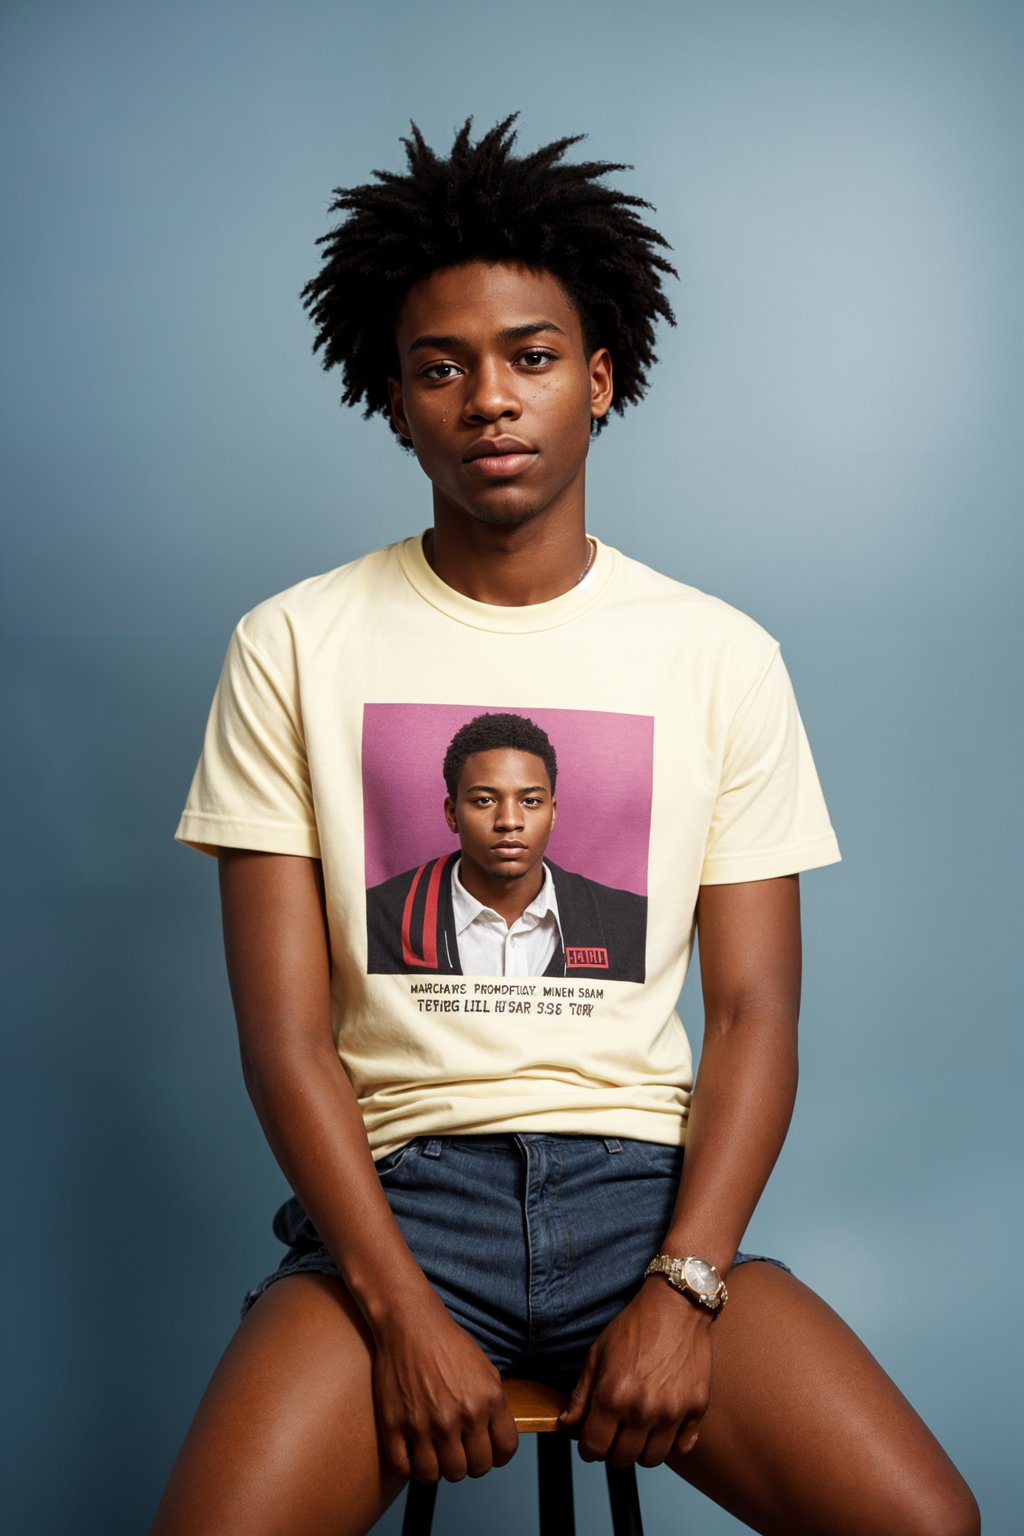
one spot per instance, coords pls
(492, 393)
(509, 814)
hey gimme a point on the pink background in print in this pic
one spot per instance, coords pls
(605, 764)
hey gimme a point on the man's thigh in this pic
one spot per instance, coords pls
(807, 1434)
(285, 1437)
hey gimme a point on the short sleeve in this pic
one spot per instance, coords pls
(770, 816)
(251, 788)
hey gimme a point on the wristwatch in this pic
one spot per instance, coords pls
(695, 1277)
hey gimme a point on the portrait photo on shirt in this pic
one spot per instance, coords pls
(435, 847)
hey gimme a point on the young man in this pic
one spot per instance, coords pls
(473, 1200)
(498, 907)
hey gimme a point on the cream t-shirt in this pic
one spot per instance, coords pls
(682, 761)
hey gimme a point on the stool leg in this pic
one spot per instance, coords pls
(419, 1508)
(624, 1500)
(554, 1485)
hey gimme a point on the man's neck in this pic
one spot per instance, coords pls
(509, 567)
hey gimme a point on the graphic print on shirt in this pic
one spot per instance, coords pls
(575, 852)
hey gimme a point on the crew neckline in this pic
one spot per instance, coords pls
(524, 619)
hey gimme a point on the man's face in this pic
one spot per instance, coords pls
(497, 393)
(503, 814)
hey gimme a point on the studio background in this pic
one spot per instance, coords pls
(831, 442)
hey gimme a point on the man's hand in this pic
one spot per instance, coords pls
(646, 1382)
(440, 1402)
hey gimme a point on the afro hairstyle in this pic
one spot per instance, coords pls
(484, 203)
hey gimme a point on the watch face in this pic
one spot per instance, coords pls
(701, 1277)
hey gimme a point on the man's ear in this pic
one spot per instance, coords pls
(554, 813)
(602, 392)
(397, 413)
(449, 815)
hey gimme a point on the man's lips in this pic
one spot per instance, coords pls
(509, 850)
(492, 447)
(498, 458)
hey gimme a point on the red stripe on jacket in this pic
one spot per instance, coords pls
(429, 956)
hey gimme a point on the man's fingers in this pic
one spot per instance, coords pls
(628, 1445)
(658, 1447)
(596, 1436)
(503, 1435)
(453, 1461)
(579, 1399)
(625, 1435)
(443, 1456)
(425, 1465)
(479, 1448)
(396, 1453)
(645, 1439)
(688, 1432)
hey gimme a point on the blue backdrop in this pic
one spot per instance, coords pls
(831, 443)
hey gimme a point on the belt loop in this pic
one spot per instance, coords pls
(433, 1147)
(612, 1144)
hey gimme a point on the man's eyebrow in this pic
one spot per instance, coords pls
(432, 343)
(533, 328)
(436, 343)
(492, 789)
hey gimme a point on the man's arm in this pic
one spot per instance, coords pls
(438, 1397)
(646, 1382)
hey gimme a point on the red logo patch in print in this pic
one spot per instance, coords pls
(578, 957)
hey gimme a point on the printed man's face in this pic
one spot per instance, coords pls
(503, 814)
(497, 391)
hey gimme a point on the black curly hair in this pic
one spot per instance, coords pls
(485, 733)
(485, 204)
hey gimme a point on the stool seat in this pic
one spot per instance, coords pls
(535, 1407)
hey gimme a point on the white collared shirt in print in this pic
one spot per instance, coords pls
(488, 946)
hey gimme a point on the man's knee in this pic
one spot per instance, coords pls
(948, 1510)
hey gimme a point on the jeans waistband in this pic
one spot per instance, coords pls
(509, 1141)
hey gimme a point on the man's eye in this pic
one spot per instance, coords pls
(532, 800)
(439, 372)
(536, 357)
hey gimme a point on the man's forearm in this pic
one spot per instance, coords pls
(309, 1113)
(277, 949)
(741, 1109)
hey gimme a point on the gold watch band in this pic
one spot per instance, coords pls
(695, 1284)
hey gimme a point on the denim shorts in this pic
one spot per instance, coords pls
(533, 1242)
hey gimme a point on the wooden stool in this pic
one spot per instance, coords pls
(535, 1408)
